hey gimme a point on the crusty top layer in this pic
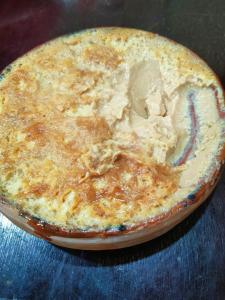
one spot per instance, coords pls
(88, 128)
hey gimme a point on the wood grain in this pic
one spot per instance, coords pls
(186, 263)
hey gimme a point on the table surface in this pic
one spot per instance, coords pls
(186, 263)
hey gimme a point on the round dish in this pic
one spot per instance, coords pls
(109, 138)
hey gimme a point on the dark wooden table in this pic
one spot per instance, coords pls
(186, 263)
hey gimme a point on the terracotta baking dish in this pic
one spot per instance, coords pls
(125, 236)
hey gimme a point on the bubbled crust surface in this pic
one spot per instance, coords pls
(46, 169)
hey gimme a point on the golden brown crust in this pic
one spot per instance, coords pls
(48, 150)
(107, 56)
